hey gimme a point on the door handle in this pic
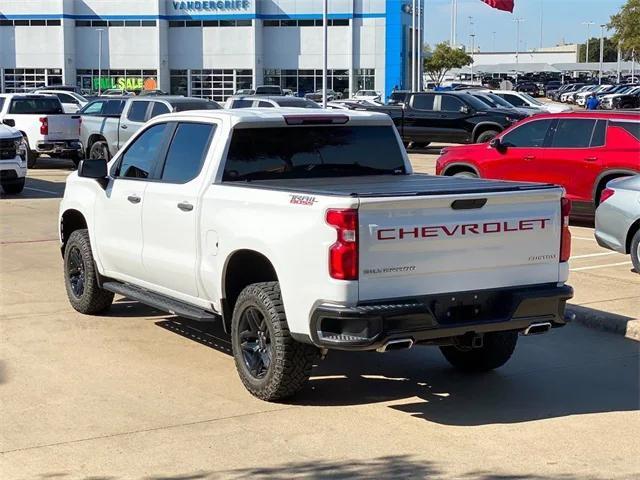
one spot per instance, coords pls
(124, 127)
(185, 206)
(134, 198)
(591, 159)
(528, 158)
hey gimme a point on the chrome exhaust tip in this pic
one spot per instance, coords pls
(537, 328)
(400, 344)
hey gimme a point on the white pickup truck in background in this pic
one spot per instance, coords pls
(44, 125)
(307, 231)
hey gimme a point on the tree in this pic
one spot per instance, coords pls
(443, 59)
(626, 24)
(610, 50)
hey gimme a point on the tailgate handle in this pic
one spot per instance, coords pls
(469, 204)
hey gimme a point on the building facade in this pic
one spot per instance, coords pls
(204, 48)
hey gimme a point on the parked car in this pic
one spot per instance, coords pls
(253, 101)
(455, 117)
(64, 88)
(527, 87)
(116, 92)
(551, 86)
(398, 97)
(618, 218)
(306, 232)
(44, 125)
(370, 95)
(524, 100)
(317, 95)
(606, 100)
(269, 90)
(71, 101)
(13, 160)
(581, 98)
(152, 93)
(495, 101)
(581, 151)
(569, 87)
(108, 123)
(245, 91)
(627, 100)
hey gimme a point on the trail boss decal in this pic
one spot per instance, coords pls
(461, 230)
(302, 200)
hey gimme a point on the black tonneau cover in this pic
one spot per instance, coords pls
(390, 185)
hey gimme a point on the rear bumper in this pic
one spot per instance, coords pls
(436, 318)
(59, 146)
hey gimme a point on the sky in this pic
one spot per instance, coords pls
(561, 22)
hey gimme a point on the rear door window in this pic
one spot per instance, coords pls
(187, 152)
(598, 138)
(423, 101)
(242, 104)
(530, 134)
(138, 112)
(159, 108)
(573, 133)
(114, 108)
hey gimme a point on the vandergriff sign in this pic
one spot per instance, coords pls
(211, 5)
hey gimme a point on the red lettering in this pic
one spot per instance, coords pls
(507, 229)
(471, 227)
(497, 225)
(383, 230)
(526, 225)
(414, 231)
(449, 233)
(429, 232)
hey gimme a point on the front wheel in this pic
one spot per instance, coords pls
(635, 251)
(81, 277)
(486, 136)
(271, 364)
(99, 150)
(465, 174)
(496, 350)
(13, 187)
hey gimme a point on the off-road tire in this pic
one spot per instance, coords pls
(635, 251)
(13, 187)
(100, 150)
(291, 361)
(496, 351)
(486, 136)
(93, 298)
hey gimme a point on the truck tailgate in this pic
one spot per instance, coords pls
(63, 127)
(411, 246)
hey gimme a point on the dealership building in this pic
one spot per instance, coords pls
(204, 48)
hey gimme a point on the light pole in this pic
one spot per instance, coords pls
(100, 30)
(541, 21)
(473, 49)
(601, 53)
(494, 40)
(588, 24)
(518, 21)
(325, 50)
(619, 60)
(470, 27)
(454, 22)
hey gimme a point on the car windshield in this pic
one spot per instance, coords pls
(42, 105)
(531, 99)
(312, 151)
(297, 103)
(498, 100)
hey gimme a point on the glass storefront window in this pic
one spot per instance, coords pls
(306, 81)
(214, 84)
(17, 80)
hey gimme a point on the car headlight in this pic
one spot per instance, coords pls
(21, 148)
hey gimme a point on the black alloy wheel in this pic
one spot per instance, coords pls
(76, 272)
(255, 342)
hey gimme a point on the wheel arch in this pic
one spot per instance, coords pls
(242, 268)
(93, 138)
(483, 127)
(458, 167)
(70, 221)
(635, 226)
(607, 176)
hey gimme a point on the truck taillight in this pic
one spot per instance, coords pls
(343, 255)
(44, 126)
(565, 238)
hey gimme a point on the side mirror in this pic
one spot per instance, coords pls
(464, 109)
(9, 122)
(94, 168)
(498, 145)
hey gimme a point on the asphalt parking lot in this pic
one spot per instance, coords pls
(139, 394)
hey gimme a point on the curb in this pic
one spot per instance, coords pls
(608, 322)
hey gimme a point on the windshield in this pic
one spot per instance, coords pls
(498, 100)
(474, 102)
(42, 105)
(317, 151)
(531, 99)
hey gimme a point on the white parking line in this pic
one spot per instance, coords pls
(583, 238)
(589, 255)
(39, 190)
(599, 266)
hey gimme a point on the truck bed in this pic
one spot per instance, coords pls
(391, 185)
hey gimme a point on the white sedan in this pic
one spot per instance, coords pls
(370, 95)
(524, 100)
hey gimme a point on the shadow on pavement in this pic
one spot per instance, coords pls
(38, 188)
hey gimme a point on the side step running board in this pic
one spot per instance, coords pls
(161, 302)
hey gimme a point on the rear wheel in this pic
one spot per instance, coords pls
(465, 174)
(99, 150)
(271, 364)
(486, 136)
(635, 251)
(13, 187)
(496, 350)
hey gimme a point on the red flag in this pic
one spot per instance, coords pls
(506, 5)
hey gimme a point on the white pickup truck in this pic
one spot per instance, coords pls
(44, 125)
(13, 160)
(307, 231)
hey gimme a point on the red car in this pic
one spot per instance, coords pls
(581, 151)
